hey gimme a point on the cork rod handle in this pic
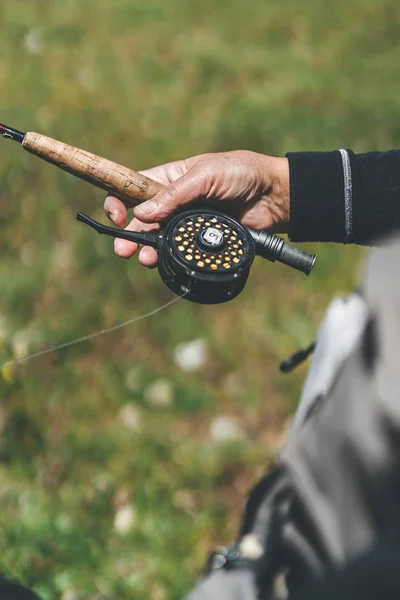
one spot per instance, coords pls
(128, 185)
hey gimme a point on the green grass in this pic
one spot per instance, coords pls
(143, 83)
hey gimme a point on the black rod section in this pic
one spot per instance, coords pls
(11, 134)
(139, 237)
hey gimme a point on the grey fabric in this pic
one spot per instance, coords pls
(374, 575)
(226, 585)
(340, 331)
(345, 459)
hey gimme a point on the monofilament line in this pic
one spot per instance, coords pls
(90, 336)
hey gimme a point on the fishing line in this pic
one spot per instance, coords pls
(90, 336)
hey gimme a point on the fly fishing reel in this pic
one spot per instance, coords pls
(206, 255)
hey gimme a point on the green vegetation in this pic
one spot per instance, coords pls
(108, 488)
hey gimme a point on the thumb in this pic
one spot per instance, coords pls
(191, 187)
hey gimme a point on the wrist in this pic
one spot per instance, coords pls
(277, 178)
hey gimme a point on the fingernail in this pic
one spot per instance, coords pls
(147, 208)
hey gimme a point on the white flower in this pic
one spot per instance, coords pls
(69, 595)
(132, 379)
(87, 77)
(224, 428)
(27, 254)
(33, 42)
(62, 257)
(159, 393)
(191, 356)
(130, 417)
(124, 519)
(3, 328)
(20, 344)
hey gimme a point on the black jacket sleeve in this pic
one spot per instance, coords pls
(344, 197)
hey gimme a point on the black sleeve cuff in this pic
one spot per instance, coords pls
(317, 211)
(344, 197)
(376, 196)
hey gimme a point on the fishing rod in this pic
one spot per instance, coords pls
(109, 176)
(204, 254)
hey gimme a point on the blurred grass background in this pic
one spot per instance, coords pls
(121, 465)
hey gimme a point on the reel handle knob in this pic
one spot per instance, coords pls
(296, 258)
(275, 248)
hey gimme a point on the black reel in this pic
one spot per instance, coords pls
(206, 255)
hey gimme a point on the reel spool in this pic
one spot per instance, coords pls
(206, 255)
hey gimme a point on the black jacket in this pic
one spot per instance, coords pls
(344, 197)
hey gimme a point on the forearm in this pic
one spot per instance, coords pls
(344, 197)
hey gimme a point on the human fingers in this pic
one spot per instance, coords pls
(148, 257)
(166, 173)
(116, 211)
(262, 215)
(190, 187)
(256, 215)
(125, 248)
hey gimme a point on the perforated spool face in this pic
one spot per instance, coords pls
(210, 243)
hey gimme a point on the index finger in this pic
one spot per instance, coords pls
(116, 211)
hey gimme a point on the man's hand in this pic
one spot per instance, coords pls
(252, 187)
